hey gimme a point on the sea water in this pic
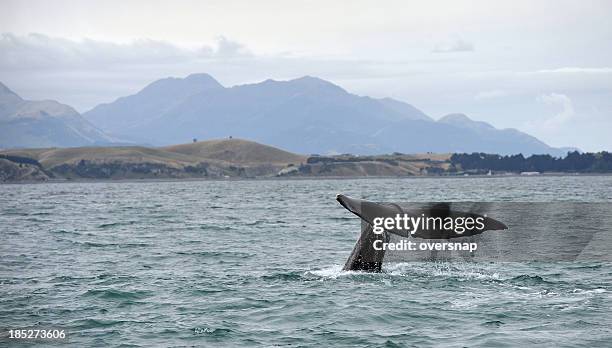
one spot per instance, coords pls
(258, 263)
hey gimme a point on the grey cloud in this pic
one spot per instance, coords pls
(563, 103)
(229, 48)
(491, 94)
(577, 70)
(38, 51)
(455, 46)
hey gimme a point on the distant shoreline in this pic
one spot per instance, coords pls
(299, 178)
(239, 159)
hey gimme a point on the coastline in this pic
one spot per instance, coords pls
(297, 178)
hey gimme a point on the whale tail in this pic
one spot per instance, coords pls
(365, 257)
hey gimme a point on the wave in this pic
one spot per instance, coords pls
(74, 233)
(526, 279)
(105, 245)
(296, 275)
(205, 253)
(216, 227)
(115, 224)
(114, 294)
(493, 323)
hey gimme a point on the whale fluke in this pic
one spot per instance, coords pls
(365, 257)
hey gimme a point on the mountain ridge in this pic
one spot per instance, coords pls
(36, 123)
(303, 115)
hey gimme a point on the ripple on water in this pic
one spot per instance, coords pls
(118, 295)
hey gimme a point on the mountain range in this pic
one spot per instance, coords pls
(305, 115)
(46, 123)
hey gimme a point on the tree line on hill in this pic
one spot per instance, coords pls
(574, 162)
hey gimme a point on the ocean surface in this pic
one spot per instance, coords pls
(258, 263)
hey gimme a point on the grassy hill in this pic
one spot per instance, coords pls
(205, 159)
(237, 151)
(53, 157)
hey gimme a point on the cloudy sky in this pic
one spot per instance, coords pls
(544, 67)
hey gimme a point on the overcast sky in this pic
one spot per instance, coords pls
(543, 67)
